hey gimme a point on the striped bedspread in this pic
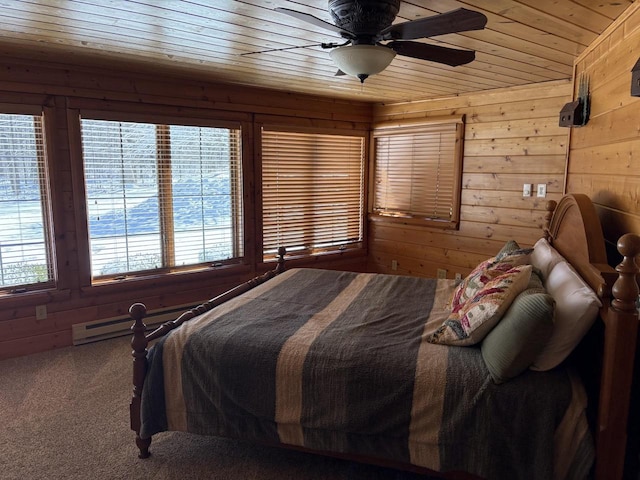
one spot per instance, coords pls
(338, 361)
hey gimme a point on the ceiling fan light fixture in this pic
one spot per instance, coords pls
(362, 60)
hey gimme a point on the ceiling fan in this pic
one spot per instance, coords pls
(372, 40)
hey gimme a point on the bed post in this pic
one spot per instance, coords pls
(141, 340)
(550, 207)
(621, 331)
(139, 344)
(282, 251)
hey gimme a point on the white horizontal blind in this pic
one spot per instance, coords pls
(415, 173)
(160, 196)
(312, 191)
(206, 192)
(25, 248)
(121, 178)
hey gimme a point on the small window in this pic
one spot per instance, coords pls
(418, 171)
(161, 196)
(312, 191)
(26, 259)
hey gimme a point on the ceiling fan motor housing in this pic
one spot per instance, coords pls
(365, 18)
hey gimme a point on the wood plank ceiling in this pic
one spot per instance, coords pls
(525, 41)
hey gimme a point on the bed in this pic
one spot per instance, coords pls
(383, 369)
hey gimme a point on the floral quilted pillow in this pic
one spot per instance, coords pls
(488, 270)
(470, 322)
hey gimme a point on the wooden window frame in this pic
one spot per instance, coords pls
(44, 119)
(419, 126)
(125, 112)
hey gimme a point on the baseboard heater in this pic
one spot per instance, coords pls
(119, 326)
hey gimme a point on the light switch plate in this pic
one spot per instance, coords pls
(526, 189)
(542, 190)
(41, 312)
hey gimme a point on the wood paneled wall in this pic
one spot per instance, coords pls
(61, 87)
(512, 137)
(604, 155)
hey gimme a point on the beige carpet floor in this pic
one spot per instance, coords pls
(64, 415)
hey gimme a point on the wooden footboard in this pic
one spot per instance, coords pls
(141, 339)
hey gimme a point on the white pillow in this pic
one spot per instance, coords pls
(545, 257)
(576, 309)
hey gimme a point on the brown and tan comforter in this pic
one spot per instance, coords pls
(338, 361)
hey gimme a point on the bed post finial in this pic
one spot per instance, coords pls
(550, 207)
(282, 251)
(139, 344)
(625, 289)
(617, 364)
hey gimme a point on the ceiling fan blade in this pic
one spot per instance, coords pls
(433, 53)
(460, 20)
(339, 73)
(315, 21)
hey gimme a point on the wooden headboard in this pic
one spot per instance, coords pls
(574, 230)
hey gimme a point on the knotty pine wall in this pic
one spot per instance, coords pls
(61, 87)
(604, 155)
(512, 137)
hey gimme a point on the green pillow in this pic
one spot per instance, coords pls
(514, 343)
(535, 282)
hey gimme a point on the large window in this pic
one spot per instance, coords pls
(161, 196)
(312, 191)
(418, 171)
(26, 258)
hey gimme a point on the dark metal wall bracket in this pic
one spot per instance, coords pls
(635, 80)
(576, 113)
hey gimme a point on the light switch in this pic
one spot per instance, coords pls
(526, 189)
(542, 190)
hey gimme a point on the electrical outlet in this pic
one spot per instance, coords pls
(458, 276)
(542, 190)
(41, 312)
(394, 264)
(526, 189)
(442, 273)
